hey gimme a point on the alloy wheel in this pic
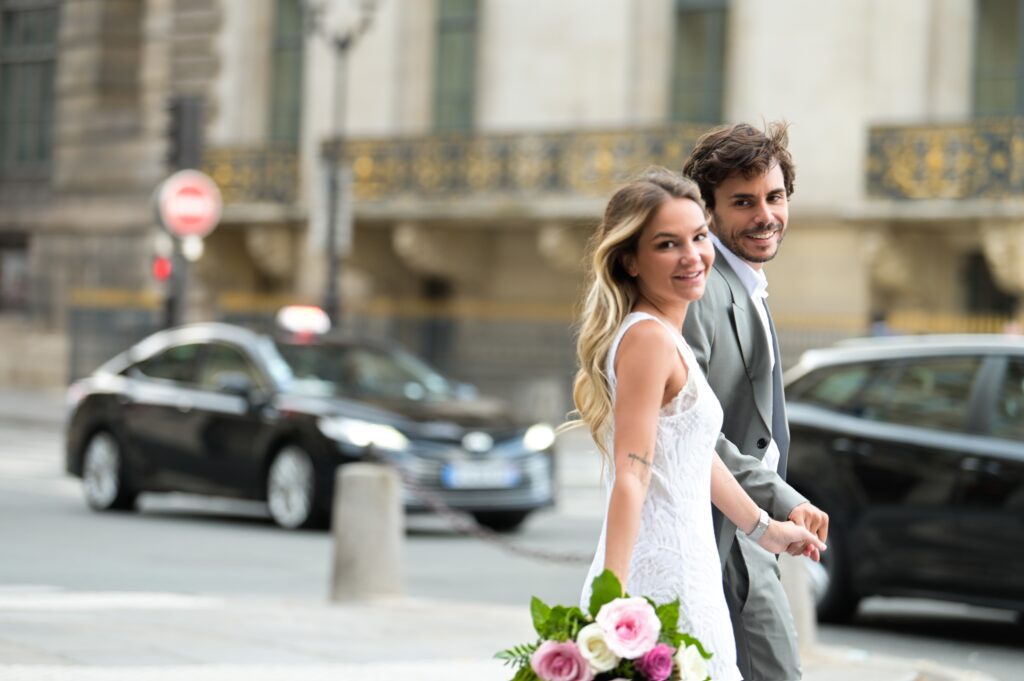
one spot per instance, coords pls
(101, 471)
(290, 484)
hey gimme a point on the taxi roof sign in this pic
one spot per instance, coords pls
(303, 320)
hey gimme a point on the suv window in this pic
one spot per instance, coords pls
(931, 393)
(221, 359)
(833, 387)
(174, 364)
(1008, 417)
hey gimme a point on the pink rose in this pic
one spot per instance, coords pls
(656, 664)
(554, 661)
(630, 625)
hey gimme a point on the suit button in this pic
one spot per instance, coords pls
(761, 443)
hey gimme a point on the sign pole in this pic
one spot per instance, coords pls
(188, 207)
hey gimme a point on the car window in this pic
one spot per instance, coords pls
(362, 372)
(222, 359)
(1008, 417)
(174, 364)
(833, 387)
(929, 392)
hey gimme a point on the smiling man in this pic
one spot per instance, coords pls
(746, 178)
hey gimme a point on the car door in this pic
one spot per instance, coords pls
(992, 488)
(906, 461)
(160, 420)
(229, 426)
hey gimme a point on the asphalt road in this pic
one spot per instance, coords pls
(188, 545)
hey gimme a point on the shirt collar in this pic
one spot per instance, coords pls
(753, 280)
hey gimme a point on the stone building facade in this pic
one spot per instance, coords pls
(482, 138)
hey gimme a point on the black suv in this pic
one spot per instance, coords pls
(915, 448)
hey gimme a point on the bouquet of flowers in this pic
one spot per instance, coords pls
(619, 638)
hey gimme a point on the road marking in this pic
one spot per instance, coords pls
(104, 600)
(430, 670)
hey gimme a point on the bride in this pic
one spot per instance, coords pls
(654, 417)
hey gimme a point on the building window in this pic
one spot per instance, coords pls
(13, 273)
(455, 76)
(698, 60)
(999, 58)
(28, 58)
(286, 84)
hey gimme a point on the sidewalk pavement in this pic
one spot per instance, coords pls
(120, 636)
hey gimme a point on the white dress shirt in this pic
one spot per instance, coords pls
(756, 284)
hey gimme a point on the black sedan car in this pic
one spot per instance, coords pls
(221, 410)
(915, 448)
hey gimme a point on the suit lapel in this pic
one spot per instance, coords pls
(751, 339)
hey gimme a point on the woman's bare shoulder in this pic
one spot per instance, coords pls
(645, 341)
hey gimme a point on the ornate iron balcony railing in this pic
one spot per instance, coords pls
(254, 175)
(573, 163)
(979, 160)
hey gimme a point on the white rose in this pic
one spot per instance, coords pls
(692, 665)
(595, 651)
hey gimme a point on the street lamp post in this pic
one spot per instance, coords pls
(341, 40)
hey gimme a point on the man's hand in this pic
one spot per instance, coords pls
(811, 517)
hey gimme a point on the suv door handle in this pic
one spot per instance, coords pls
(845, 445)
(973, 464)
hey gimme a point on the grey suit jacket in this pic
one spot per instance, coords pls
(725, 333)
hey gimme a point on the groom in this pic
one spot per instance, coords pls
(745, 178)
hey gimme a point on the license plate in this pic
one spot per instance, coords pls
(479, 475)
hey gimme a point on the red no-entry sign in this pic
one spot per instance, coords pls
(189, 204)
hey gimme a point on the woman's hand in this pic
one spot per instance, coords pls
(793, 539)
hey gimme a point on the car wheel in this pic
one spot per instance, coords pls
(291, 489)
(501, 521)
(830, 580)
(104, 475)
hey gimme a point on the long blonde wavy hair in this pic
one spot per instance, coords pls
(612, 293)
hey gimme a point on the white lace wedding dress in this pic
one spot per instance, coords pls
(676, 555)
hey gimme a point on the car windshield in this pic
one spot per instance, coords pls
(359, 371)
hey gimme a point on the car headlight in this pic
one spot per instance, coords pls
(363, 433)
(539, 437)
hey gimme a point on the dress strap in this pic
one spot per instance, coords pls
(631, 319)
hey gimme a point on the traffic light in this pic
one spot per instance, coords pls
(184, 132)
(162, 267)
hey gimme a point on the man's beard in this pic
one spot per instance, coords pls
(735, 243)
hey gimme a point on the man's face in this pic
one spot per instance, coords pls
(750, 216)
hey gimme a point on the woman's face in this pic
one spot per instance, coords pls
(673, 255)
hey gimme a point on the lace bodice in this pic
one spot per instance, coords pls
(675, 555)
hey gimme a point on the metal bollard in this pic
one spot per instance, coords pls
(801, 599)
(368, 526)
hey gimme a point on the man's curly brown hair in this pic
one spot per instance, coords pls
(739, 149)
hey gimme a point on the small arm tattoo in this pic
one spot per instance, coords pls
(637, 457)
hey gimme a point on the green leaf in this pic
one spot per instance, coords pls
(525, 674)
(605, 589)
(668, 615)
(540, 612)
(575, 619)
(557, 626)
(518, 655)
(687, 640)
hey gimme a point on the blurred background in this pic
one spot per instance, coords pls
(429, 171)
(477, 141)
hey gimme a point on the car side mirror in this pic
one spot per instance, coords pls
(234, 383)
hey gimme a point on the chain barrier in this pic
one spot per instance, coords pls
(460, 523)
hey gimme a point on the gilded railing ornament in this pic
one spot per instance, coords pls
(980, 160)
(254, 175)
(454, 165)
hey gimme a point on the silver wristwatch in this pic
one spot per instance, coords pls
(763, 521)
